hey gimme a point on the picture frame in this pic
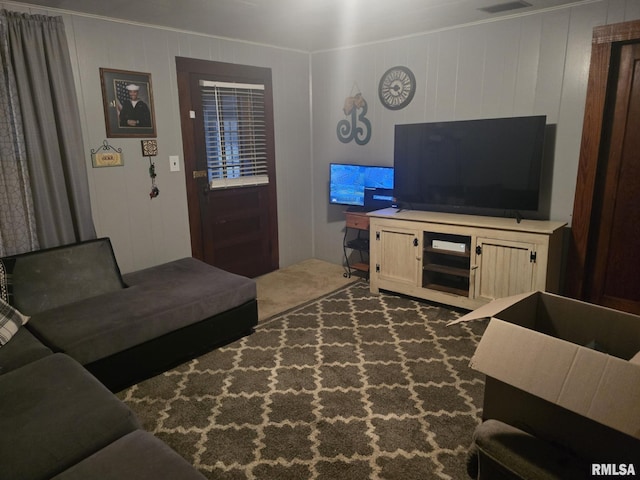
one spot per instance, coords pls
(127, 100)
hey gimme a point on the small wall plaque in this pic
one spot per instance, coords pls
(106, 156)
(112, 159)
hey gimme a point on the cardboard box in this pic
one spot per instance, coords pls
(561, 369)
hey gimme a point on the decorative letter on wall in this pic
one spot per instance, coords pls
(358, 127)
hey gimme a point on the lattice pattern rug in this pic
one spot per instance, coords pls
(349, 386)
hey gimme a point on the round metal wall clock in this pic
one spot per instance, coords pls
(397, 87)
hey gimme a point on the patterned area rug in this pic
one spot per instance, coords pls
(349, 386)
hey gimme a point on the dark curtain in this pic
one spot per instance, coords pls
(51, 124)
(17, 218)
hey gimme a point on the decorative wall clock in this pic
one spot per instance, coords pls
(397, 87)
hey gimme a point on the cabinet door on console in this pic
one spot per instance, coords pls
(504, 268)
(399, 255)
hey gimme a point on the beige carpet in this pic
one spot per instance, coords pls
(295, 285)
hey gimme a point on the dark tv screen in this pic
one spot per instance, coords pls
(347, 183)
(470, 166)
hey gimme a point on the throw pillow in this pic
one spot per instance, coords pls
(6, 285)
(10, 321)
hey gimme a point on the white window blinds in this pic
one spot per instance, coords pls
(235, 138)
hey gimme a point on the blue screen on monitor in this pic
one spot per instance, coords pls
(347, 183)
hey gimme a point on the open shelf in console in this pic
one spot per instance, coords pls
(446, 262)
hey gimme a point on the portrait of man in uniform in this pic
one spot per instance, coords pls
(133, 111)
(128, 103)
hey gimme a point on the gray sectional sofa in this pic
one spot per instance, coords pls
(91, 332)
(124, 328)
(58, 421)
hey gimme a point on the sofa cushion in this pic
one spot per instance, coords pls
(138, 455)
(53, 414)
(22, 349)
(158, 301)
(10, 321)
(48, 278)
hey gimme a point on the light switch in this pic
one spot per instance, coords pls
(174, 163)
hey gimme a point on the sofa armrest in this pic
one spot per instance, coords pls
(505, 452)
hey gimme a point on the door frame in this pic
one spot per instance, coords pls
(186, 68)
(604, 42)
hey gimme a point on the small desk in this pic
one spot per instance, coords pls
(357, 222)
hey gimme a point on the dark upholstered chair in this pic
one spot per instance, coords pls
(503, 452)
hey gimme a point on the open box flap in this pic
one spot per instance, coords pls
(528, 360)
(616, 402)
(607, 330)
(491, 309)
(603, 388)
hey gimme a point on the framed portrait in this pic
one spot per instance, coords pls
(127, 98)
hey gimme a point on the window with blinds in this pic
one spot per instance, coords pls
(235, 137)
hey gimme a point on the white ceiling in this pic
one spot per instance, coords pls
(308, 25)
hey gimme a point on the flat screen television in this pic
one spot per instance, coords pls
(488, 166)
(348, 183)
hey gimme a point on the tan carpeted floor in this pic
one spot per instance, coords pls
(291, 286)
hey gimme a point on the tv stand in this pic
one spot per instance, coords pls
(462, 260)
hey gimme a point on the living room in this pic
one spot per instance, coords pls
(529, 63)
(525, 64)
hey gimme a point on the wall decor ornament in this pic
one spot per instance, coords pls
(397, 87)
(127, 100)
(106, 156)
(150, 149)
(357, 127)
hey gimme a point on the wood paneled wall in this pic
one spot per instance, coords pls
(525, 65)
(531, 64)
(147, 232)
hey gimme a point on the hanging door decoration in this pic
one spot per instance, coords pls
(355, 126)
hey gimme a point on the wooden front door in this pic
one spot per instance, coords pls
(232, 214)
(605, 260)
